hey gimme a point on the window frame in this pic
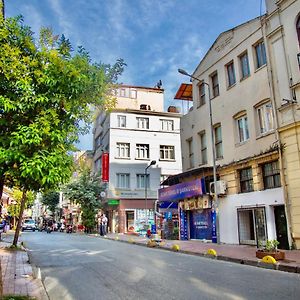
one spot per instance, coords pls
(168, 152)
(140, 181)
(218, 142)
(246, 180)
(190, 145)
(231, 78)
(123, 147)
(142, 122)
(165, 125)
(260, 54)
(215, 85)
(120, 117)
(126, 176)
(142, 148)
(242, 61)
(203, 147)
(201, 98)
(265, 118)
(243, 136)
(271, 180)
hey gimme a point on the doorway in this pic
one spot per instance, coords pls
(130, 220)
(252, 225)
(281, 227)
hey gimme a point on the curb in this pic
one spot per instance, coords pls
(258, 263)
(36, 271)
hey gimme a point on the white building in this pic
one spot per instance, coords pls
(135, 133)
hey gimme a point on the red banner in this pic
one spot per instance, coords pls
(105, 167)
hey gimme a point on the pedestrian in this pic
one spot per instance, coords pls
(104, 222)
(100, 225)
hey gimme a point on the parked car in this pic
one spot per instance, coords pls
(29, 224)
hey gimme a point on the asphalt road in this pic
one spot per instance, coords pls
(87, 267)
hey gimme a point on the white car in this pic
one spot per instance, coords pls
(29, 224)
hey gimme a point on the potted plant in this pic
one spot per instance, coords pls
(270, 248)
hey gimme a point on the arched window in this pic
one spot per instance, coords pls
(298, 29)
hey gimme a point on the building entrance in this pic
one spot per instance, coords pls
(281, 227)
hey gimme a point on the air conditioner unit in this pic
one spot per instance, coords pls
(221, 187)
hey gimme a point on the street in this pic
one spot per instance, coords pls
(87, 267)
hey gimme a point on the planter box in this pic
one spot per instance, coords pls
(279, 255)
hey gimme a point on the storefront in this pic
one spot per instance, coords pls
(194, 208)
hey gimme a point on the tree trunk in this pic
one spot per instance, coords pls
(17, 232)
(1, 191)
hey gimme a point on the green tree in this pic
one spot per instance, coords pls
(85, 191)
(46, 93)
(14, 210)
(51, 200)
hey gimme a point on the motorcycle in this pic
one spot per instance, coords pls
(62, 227)
(69, 229)
(49, 229)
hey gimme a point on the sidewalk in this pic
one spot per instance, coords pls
(241, 254)
(17, 274)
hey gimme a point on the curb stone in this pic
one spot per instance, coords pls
(253, 263)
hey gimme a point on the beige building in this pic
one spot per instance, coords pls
(251, 76)
(282, 35)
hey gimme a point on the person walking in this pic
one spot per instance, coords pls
(104, 222)
(100, 225)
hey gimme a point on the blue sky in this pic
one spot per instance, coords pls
(154, 37)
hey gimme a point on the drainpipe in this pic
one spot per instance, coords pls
(277, 136)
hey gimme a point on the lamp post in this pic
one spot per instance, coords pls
(153, 162)
(216, 200)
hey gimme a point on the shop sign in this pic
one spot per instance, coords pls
(105, 167)
(183, 224)
(181, 191)
(168, 215)
(113, 202)
(198, 203)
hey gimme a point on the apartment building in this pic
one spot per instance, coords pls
(233, 75)
(282, 36)
(138, 145)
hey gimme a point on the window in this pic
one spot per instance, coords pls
(201, 100)
(215, 84)
(260, 54)
(271, 175)
(166, 125)
(163, 177)
(246, 180)
(123, 181)
(142, 123)
(242, 127)
(167, 152)
(142, 151)
(265, 118)
(123, 150)
(133, 94)
(191, 153)
(218, 142)
(140, 181)
(122, 92)
(244, 63)
(230, 74)
(203, 147)
(121, 121)
(252, 225)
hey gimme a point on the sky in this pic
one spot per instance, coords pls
(154, 37)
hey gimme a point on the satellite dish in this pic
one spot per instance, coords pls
(102, 194)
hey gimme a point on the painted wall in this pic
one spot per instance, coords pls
(228, 212)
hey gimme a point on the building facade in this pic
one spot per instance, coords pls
(142, 145)
(234, 76)
(282, 35)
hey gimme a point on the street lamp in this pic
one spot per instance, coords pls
(153, 162)
(216, 200)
